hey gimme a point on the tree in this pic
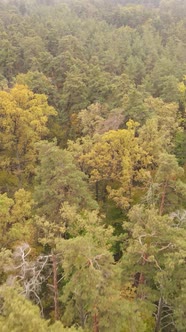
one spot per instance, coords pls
(19, 314)
(32, 47)
(168, 176)
(59, 180)
(16, 218)
(166, 115)
(24, 117)
(38, 83)
(92, 291)
(155, 248)
(8, 57)
(75, 92)
(91, 118)
(118, 160)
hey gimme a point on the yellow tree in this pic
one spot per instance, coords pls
(163, 122)
(16, 222)
(118, 160)
(24, 117)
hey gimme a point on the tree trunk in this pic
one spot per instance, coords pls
(97, 191)
(163, 199)
(55, 287)
(141, 280)
(158, 319)
(96, 324)
(142, 277)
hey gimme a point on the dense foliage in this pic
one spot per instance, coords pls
(92, 165)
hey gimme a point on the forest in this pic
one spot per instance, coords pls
(93, 165)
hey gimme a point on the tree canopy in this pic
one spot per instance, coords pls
(92, 165)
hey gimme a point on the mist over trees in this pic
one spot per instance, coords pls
(92, 165)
